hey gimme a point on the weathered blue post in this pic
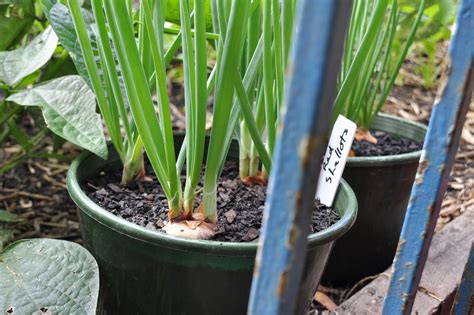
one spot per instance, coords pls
(309, 97)
(439, 150)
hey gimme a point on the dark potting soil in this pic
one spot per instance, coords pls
(386, 145)
(240, 206)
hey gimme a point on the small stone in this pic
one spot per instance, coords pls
(230, 215)
(250, 235)
(127, 212)
(114, 188)
(112, 205)
(224, 197)
(231, 184)
(101, 192)
(149, 196)
(151, 226)
(220, 230)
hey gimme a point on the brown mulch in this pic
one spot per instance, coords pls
(35, 191)
(415, 103)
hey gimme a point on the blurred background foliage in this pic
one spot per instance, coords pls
(436, 26)
(23, 128)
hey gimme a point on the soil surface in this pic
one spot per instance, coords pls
(386, 145)
(240, 205)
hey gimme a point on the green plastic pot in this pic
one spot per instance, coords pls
(148, 272)
(382, 186)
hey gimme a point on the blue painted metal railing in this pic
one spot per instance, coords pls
(309, 96)
(442, 139)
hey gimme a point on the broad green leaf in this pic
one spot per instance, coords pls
(173, 9)
(16, 17)
(40, 276)
(438, 15)
(6, 216)
(69, 110)
(6, 235)
(60, 18)
(19, 63)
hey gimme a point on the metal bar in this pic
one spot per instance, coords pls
(304, 132)
(439, 150)
(464, 302)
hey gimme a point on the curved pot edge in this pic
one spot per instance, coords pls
(369, 161)
(130, 229)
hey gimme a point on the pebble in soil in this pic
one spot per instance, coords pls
(386, 145)
(240, 207)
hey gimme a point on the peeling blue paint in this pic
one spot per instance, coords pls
(309, 96)
(439, 151)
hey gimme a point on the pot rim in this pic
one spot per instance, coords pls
(122, 226)
(386, 160)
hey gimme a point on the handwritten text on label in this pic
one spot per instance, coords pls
(335, 159)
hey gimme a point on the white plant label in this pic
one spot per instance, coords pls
(335, 159)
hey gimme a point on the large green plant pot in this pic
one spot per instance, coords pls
(146, 272)
(382, 186)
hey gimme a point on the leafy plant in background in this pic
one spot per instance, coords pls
(40, 275)
(45, 276)
(370, 66)
(62, 99)
(29, 55)
(16, 18)
(18, 69)
(434, 27)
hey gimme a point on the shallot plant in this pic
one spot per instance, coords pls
(373, 55)
(125, 72)
(120, 56)
(270, 28)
